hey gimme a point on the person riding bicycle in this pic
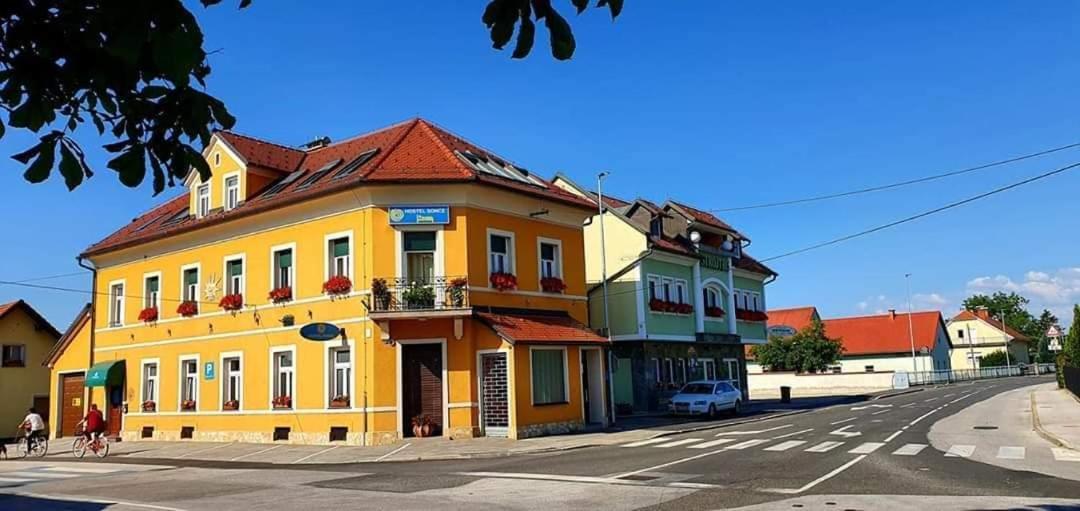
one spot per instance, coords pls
(34, 426)
(93, 424)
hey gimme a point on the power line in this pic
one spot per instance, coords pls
(51, 277)
(923, 214)
(890, 186)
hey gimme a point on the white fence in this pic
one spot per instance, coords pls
(939, 377)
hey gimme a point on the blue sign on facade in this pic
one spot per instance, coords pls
(425, 214)
(208, 371)
(319, 331)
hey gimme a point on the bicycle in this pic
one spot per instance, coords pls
(38, 447)
(99, 445)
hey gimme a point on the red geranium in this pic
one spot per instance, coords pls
(552, 285)
(187, 404)
(281, 294)
(684, 308)
(187, 308)
(148, 315)
(283, 402)
(337, 285)
(503, 281)
(714, 312)
(233, 302)
(149, 406)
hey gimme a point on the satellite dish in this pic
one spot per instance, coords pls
(695, 236)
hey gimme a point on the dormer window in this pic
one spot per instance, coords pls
(202, 204)
(232, 192)
(656, 227)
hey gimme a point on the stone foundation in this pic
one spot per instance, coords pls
(260, 437)
(551, 428)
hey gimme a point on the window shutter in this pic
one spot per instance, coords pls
(340, 247)
(235, 268)
(152, 285)
(285, 259)
(191, 277)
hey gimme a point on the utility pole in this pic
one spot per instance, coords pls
(603, 278)
(1005, 332)
(971, 347)
(911, 331)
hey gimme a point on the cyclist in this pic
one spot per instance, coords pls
(34, 425)
(93, 424)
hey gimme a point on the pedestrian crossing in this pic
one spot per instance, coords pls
(23, 474)
(783, 443)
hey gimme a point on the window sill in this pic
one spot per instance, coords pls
(557, 403)
(662, 313)
(13, 365)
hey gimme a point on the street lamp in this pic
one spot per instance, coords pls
(603, 279)
(911, 331)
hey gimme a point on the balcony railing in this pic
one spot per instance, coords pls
(438, 295)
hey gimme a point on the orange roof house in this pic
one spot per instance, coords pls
(886, 334)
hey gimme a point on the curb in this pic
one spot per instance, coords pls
(1046, 435)
(901, 393)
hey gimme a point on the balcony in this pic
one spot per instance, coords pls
(441, 297)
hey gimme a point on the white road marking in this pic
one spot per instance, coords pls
(866, 448)
(893, 436)
(679, 442)
(877, 420)
(312, 455)
(881, 412)
(909, 405)
(929, 400)
(668, 464)
(948, 395)
(646, 442)
(714, 443)
(834, 423)
(393, 452)
(46, 475)
(547, 477)
(961, 397)
(807, 430)
(909, 450)
(250, 454)
(14, 480)
(960, 451)
(185, 455)
(923, 416)
(844, 432)
(783, 446)
(825, 447)
(725, 433)
(743, 445)
(819, 480)
(1008, 452)
(1062, 454)
(695, 486)
(82, 470)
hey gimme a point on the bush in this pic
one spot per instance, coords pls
(993, 359)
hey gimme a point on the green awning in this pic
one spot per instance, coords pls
(105, 373)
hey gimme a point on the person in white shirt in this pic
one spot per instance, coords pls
(34, 425)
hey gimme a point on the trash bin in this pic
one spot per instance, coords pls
(785, 394)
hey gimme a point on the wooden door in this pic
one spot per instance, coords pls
(71, 402)
(422, 385)
(114, 419)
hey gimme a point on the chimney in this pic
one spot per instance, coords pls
(983, 313)
(892, 313)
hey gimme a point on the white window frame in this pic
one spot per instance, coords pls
(684, 375)
(144, 380)
(292, 270)
(656, 367)
(16, 347)
(708, 368)
(199, 209)
(227, 197)
(117, 302)
(671, 370)
(328, 265)
(657, 287)
(274, 373)
(330, 365)
(223, 384)
(566, 374)
(198, 283)
(679, 289)
(153, 301)
(511, 249)
(733, 371)
(557, 270)
(182, 376)
(667, 288)
(243, 273)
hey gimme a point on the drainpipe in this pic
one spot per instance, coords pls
(93, 318)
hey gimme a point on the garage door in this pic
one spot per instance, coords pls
(71, 404)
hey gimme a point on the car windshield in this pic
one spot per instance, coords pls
(697, 388)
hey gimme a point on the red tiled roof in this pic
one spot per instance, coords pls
(704, 217)
(410, 152)
(539, 328)
(797, 318)
(885, 333)
(983, 315)
(37, 317)
(750, 264)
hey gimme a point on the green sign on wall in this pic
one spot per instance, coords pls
(713, 261)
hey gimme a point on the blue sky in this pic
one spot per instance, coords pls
(718, 104)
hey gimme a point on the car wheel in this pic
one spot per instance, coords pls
(712, 411)
(735, 410)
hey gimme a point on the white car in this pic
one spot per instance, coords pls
(706, 397)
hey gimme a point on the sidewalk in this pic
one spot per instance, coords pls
(1056, 416)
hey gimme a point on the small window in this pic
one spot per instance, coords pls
(281, 433)
(283, 379)
(667, 288)
(338, 253)
(234, 277)
(232, 192)
(14, 355)
(340, 377)
(869, 369)
(960, 333)
(152, 292)
(189, 381)
(501, 259)
(147, 432)
(549, 377)
(116, 305)
(654, 288)
(202, 206)
(187, 432)
(191, 285)
(656, 227)
(669, 371)
(150, 386)
(549, 261)
(338, 433)
(656, 370)
(680, 291)
(233, 381)
(217, 159)
(283, 268)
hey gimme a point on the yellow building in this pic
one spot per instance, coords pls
(456, 278)
(25, 340)
(976, 334)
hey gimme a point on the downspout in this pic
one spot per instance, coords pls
(93, 306)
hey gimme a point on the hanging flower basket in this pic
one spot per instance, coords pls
(552, 285)
(149, 406)
(714, 312)
(187, 309)
(503, 281)
(187, 405)
(339, 402)
(281, 402)
(230, 405)
(337, 285)
(148, 315)
(456, 290)
(233, 302)
(281, 294)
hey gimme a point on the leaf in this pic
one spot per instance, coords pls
(131, 165)
(615, 6)
(2, 130)
(195, 159)
(244, 3)
(159, 175)
(562, 38)
(176, 53)
(526, 35)
(221, 114)
(42, 166)
(154, 91)
(116, 147)
(70, 167)
(25, 156)
(491, 13)
(581, 5)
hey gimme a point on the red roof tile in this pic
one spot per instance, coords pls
(797, 318)
(753, 265)
(885, 333)
(539, 328)
(409, 152)
(703, 217)
(984, 315)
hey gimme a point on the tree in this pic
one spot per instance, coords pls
(809, 350)
(1070, 351)
(1012, 305)
(993, 359)
(1042, 353)
(134, 70)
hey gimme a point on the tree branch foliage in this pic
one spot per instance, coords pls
(810, 350)
(1014, 309)
(503, 16)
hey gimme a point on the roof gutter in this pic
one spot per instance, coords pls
(93, 306)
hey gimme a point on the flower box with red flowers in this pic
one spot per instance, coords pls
(657, 305)
(684, 308)
(552, 285)
(233, 302)
(231, 405)
(749, 315)
(187, 405)
(714, 312)
(148, 315)
(187, 309)
(339, 402)
(281, 294)
(503, 281)
(282, 402)
(337, 285)
(149, 406)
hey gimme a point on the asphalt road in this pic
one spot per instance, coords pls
(865, 449)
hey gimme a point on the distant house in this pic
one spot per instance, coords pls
(785, 322)
(25, 340)
(976, 334)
